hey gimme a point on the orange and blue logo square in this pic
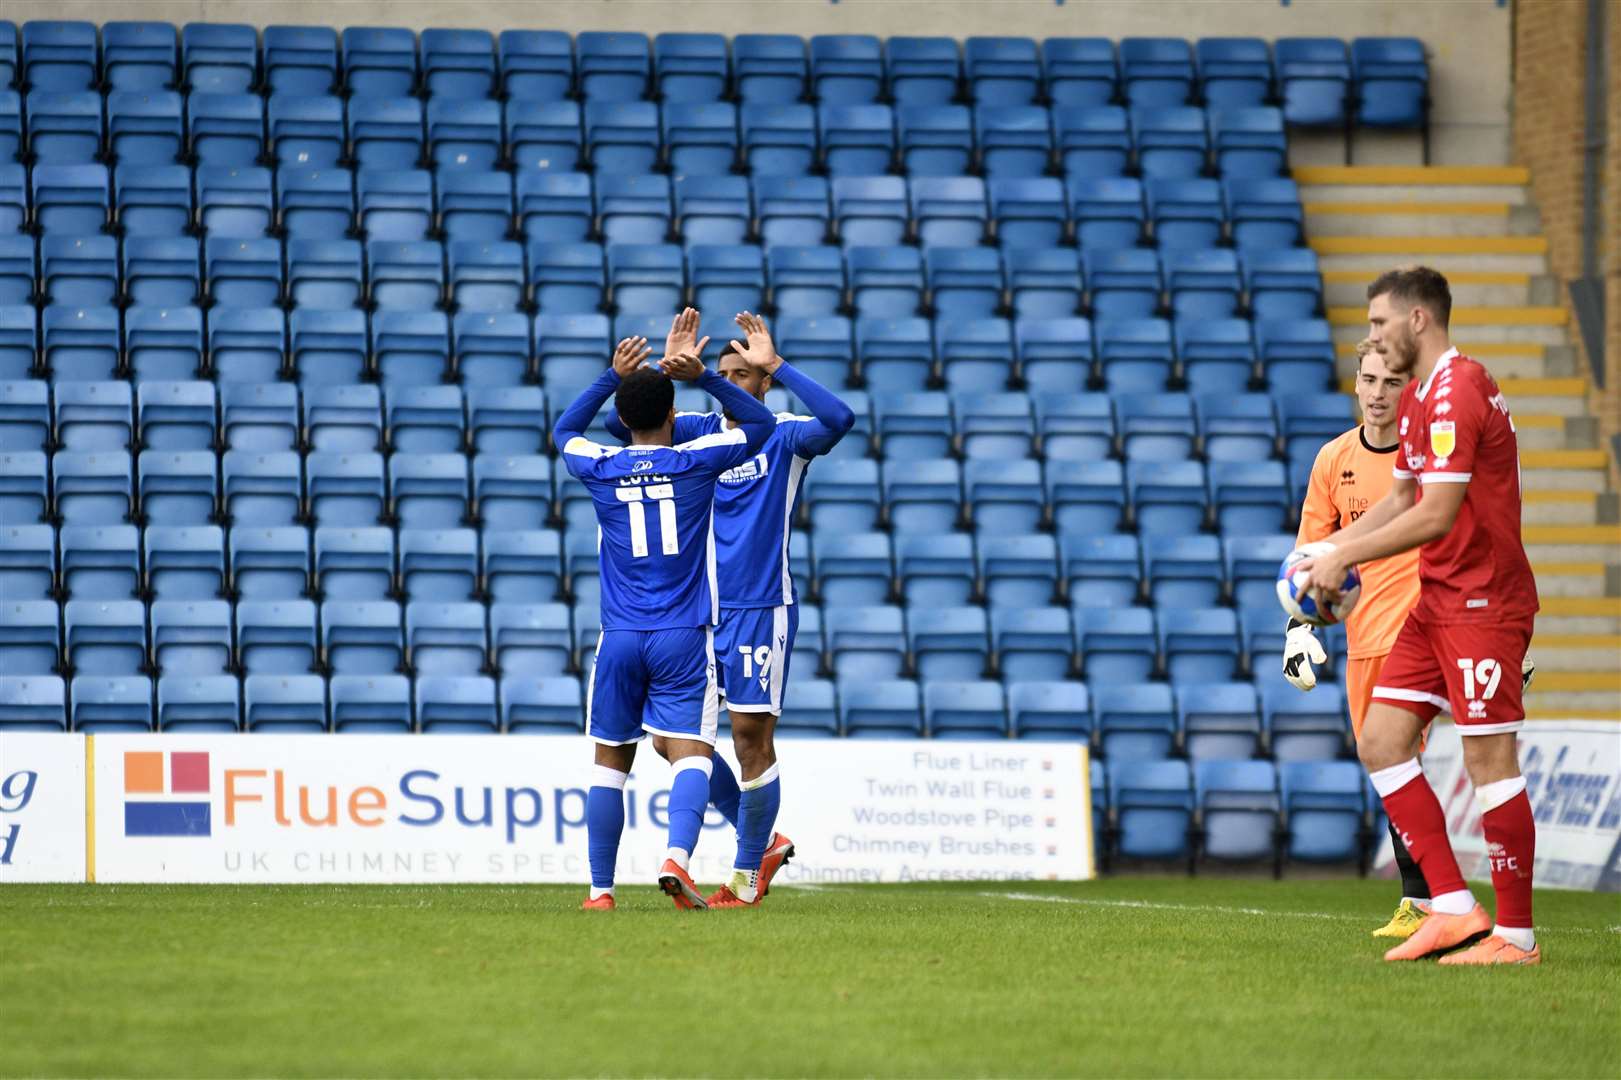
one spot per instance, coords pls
(160, 793)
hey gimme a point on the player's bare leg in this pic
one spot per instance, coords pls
(761, 851)
(1493, 764)
(1388, 749)
(605, 820)
(689, 795)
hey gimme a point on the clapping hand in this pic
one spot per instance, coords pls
(758, 351)
(683, 337)
(630, 354)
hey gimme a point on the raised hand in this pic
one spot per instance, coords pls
(630, 354)
(682, 367)
(758, 351)
(683, 337)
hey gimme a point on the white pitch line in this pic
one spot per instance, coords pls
(1216, 909)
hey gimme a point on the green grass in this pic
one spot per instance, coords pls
(1120, 977)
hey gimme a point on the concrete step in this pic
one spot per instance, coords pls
(1542, 432)
(1575, 694)
(1576, 652)
(1420, 246)
(1585, 607)
(1563, 507)
(1570, 580)
(1428, 176)
(1595, 545)
(1513, 195)
(1563, 705)
(1576, 624)
(1470, 288)
(1382, 217)
(1565, 397)
(1374, 263)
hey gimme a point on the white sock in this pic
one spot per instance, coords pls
(1521, 937)
(596, 892)
(1461, 902)
(678, 856)
(1389, 781)
(745, 884)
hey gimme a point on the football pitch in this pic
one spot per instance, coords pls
(1127, 976)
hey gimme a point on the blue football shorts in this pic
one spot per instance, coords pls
(753, 647)
(659, 682)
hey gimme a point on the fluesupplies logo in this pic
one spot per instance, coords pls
(160, 789)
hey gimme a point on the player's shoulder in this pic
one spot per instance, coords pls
(582, 447)
(721, 436)
(1467, 370)
(1339, 446)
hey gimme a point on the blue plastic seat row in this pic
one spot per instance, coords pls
(1387, 78)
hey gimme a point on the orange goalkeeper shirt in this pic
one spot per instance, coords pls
(1347, 478)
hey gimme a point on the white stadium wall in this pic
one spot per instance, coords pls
(1469, 41)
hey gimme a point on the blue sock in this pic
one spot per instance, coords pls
(757, 817)
(604, 822)
(689, 797)
(723, 789)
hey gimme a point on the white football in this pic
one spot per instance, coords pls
(1299, 604)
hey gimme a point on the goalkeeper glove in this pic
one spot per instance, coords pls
(1301, 650)
(1528, 671)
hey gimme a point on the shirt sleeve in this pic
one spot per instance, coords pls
(1457, 425)
(1318, 515)
(830, 416)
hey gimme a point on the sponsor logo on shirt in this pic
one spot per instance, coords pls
(1443, 438)
(751, 470)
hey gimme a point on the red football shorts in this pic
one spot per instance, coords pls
(1473, 669)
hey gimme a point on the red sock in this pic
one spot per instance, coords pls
(1416, 812)
(1511, 848)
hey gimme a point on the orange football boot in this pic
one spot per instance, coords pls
(679, 886)
(1438, 933)
(777, 854)
(1495, 950)
(605, 902)
(724, 897)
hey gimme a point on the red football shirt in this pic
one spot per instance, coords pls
(1455, 429)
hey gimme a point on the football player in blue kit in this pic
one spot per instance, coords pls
(655, 659)
(754, 508)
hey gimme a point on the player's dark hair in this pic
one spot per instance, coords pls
(644, 399)
(1417, 286)
(729, 349)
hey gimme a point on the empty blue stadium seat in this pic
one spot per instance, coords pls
(535, 64)
(458, 65)
(230, 201)
(379, 61)
(1049, 710)
(700, 138)
(1002, 70)
(865, 643)
(100, 562)
(513, 491)
(301, 60)
(633, 209)
(613, 66)
(276, 637)
(396, 204)
(1153, 806)
(726, 278)
(25, 415)
(1123, 283)
(199, 705)
(161, 271)
(1219, 720)
(428, 491)
(105, 637)
(852, 568)
(225, 129)
(29, 632)
(546, 706)
(1392, 82)
(439, 564)
(1156, 71)
(1218, 355)
(1249, 141)
(1203, 283)
(28, 561)
(184, 562)
(285, 704)
(1239, 808)
(1135, 355)
(219, 58)
(92, 488)
(191, 637)
(922, 70)
(354, 563)
(846, 69)
(485, 276)
(1115, 645)
(534, 639)
(792, 210)
(1283, 283)
(885, 282)
(411, 348)
(138, 55)
(934, 140)
(345, 488)
(16, 270)
(1014, 141)
(261, 489)
(1186, 213)
(366, 704)
(445, 638)
(111, 705)
(712, 210)
(807, 282)
(1017, 571)
(914, 426)
(1108, 212)
(163, 343)
(361, 637)
(64, 127)
(71, 199)
(79, 271)
(1029, 212)
(856, 140)
(1302, 727)
(1087, 496)
(1324, 806)
(1032, 644)
(872, 210)
(769, 68)
(950, 211)
(690, 67)
(1234, 72)
(957, 709)
(994, 425)
(1183, 570)
(1200, 645)
(1101, 570)
(145, 127)
(1314, 76)
(1265, 213)
(967, 281)
(1252, 564)
(948, 643)
(883, 709)
(646, 278)
(545, 135)
(464, 136)
(269, 562)
(1080, 71)
(59, 55)
(1250, 497)
(935, 570)
(1237, 427)
(1075, 427)
(93, 416)
(1297, 355)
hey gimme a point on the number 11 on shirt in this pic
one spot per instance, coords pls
(664, 495)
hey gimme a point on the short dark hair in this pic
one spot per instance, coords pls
(729, 349)
(644, 399)
(1416, 286)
